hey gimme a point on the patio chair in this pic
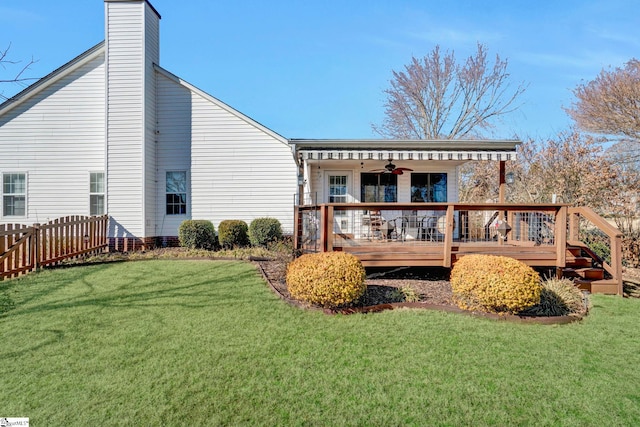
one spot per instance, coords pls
(409, 227)
(430, 228)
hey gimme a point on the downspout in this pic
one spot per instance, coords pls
(299, 175)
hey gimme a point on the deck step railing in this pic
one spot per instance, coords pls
(601, 240)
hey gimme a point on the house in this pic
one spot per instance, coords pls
(113, 132)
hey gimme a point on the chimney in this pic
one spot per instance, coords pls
(132, 49)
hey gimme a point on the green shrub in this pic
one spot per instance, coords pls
(262, 231)
(403, 294)
(559, 297)
(197, 234)
(232, 233)
(329, 279)
(494, 284)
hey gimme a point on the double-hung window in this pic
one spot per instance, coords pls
(96, 193)
(14, 194)
(176, 191)
(337, 189)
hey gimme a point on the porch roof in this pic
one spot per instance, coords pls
(381, 149)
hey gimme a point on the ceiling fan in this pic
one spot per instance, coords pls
(391, 168)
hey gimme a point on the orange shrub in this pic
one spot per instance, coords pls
(330, 279)
(494, 284)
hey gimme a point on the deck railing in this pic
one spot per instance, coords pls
(27, 248)
(337, 226)
(437, 234)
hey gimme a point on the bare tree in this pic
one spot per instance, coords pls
(435, 97)
(16, 76)
(610, 104)
(573, 166)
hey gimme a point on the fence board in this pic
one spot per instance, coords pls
(24, 249)
(16, 250)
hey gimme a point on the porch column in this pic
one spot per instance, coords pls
(502, 191)
(503, 186)
(301, 179)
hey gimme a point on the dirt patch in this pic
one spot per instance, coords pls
(430, 285)
(427, 285)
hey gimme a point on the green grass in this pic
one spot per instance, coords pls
(175, 342)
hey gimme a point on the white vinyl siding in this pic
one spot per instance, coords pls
(174, 146)
(130, 116)
(238, 171)
(57, 137)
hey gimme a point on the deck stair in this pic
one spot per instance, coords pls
(585, 269)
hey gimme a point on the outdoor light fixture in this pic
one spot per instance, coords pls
(510, 178)
(300, 179)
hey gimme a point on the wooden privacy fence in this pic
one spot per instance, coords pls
(24, 249)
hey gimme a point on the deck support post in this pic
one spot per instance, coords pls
(616, 262)
(448, 237)
(323, 228)
(574, 226)
(560, 234)
(329, 229)
(297, 230)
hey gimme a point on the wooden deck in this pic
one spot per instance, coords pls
(438, 234)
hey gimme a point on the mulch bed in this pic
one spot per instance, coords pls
(431, 284)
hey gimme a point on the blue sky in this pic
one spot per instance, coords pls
(318, 69)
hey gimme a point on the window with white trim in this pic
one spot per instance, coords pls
(176, 193)
(96, 193)
(14, 194)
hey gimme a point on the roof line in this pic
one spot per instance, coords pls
(400, 144)
(51, 78)
(221, 104)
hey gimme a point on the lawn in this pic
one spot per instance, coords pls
(183, 342)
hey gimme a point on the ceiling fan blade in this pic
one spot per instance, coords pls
(405, 169)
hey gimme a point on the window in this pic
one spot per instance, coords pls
(177, 193)
(337, 189)
(378, 187)
(429, 187)
(96, 193)
(14, 194)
